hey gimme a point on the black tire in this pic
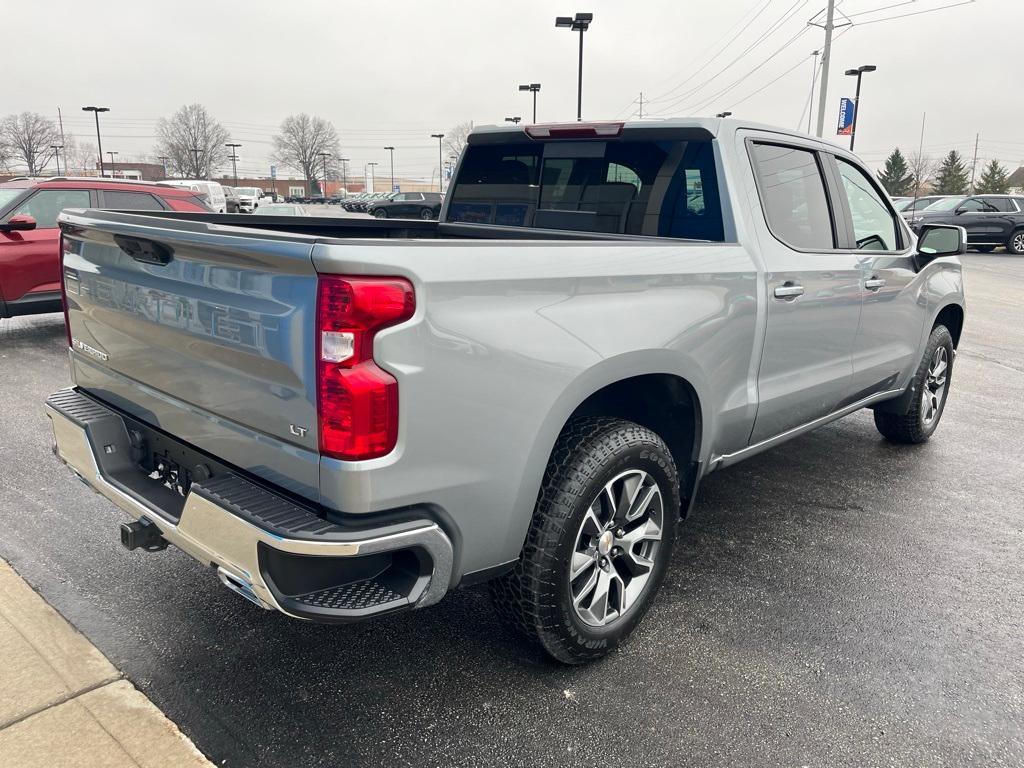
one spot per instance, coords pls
(921, 421)
(536, 596)
(1016, 243)
(426, 214)
(380, 213)
(984, 248)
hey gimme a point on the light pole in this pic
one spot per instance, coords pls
(392, 151)
(195, 155)
(723, 114)
(532, 88)
(56, 154)
(163, 159)
(344, 172)
(514, 120)
(234, 159)
(858, 72)
(440, 161)
(99, 143)
(112, 174)
(323, 161)
(581, 23)
(370, 178)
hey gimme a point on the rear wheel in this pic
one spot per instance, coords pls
(931, 388)
(1016, 244)
(426, 213)
(600, 541)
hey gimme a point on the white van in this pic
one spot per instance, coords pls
(213, 191)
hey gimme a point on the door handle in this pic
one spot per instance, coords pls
(874, 283)
(789, 290)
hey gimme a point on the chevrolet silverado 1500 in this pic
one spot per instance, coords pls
(350, 417)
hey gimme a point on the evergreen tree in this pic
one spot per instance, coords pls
(896, 177)
(953, 177)
(995, 180)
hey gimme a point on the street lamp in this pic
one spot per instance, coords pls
(532, 88)
(56, 154)
(234, 159)
(99, 143)
(513, 120)
(723, 114)
(440, 161)
(323, 160)
(581, 23)
(858, 72)
(392, 151)
(370, 165)
(112, 174)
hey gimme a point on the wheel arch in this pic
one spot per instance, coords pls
(952, 316)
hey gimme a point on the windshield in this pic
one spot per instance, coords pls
(655, 188)
(6, 195)
(946, 205)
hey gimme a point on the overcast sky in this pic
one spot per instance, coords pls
(395, 72)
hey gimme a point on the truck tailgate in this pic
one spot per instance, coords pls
(204, 331)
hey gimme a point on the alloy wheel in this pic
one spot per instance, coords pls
(615, 548)
(1018, 242)
(934, 389)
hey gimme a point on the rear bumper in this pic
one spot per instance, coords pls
(267, 548)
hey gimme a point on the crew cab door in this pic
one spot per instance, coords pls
(30, 260)
(885, 352)
(813, 288)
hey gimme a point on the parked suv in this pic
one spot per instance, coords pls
(990, 220)
(348, 417)
(30, 240)
(408, 205)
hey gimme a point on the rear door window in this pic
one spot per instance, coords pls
(130, 201)
(1001, 204)
(649, 188)
(793, 196)
(46, 204)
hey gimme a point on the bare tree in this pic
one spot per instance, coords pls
(29, 138)
(193, 140)
(922, 168)
(455, 138)
(79, 157)
(303, 142)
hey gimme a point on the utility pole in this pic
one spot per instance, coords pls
(641, 105)
(112, 174)
(974, 162)
(60, 122)
(57, 148)
(344, 172)
(163, 160)
(234, 159)
(440, 161)
(814, 81)
(195, 154)
(323, 161)
(826, 59)
(392, 151)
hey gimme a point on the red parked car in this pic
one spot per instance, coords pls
(30, 240)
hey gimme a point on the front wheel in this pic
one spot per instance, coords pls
(426, 213)
(931, 388)
(599, 543)
(380, 213)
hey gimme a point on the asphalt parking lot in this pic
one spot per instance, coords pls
(837, 601)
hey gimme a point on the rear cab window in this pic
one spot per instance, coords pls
(660, 188)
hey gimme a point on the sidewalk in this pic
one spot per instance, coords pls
(62, 704)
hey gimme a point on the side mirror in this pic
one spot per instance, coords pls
(937, 240)
(958, 211)
(20, 223)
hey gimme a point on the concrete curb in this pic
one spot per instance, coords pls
(63, 703)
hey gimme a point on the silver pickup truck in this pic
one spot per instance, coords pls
(345, 417)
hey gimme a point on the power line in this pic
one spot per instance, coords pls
(915, 13)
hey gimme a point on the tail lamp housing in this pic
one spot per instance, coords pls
(357, 401)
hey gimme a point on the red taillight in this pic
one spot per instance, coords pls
(574, 130)
(65, 247)
(357, 401)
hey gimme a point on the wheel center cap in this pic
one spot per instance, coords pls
(604, 543)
